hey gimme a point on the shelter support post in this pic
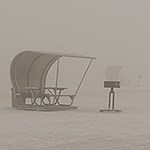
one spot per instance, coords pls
(57, 73)
(83, 77)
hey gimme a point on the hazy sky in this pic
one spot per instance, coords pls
(113, 31)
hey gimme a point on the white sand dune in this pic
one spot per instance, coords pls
(82, 129)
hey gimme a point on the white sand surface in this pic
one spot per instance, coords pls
(82, 129)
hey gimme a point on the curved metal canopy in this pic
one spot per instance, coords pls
(30, 68)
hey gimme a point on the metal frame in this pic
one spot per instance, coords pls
(34, 92)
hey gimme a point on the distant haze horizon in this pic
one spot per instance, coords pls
(115, 32)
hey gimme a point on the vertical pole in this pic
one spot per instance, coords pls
(109, 103)
(83, 77)
(113, 101)
(57, 73)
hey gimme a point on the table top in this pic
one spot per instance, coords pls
(38, 88)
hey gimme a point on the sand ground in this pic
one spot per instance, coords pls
(82, 129)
